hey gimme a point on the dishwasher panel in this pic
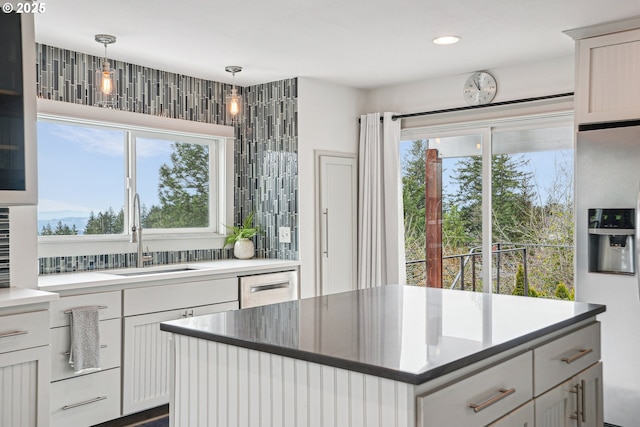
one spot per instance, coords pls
(270, 288)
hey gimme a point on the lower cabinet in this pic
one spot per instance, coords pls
(86, 400)
(576, 401)
(91, 398)
(555, 384)
(521, 417)
(146, 363)
(480, 398)
(24, 378)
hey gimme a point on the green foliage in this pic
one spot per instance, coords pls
(107, 222)
(183, 190)
(60, 230)
(518, 288)
(413, 184)
(512, 196)
(562, 292)
(244, 231)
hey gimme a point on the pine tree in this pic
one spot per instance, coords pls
(46, 230)
(183, 189)
(562, 292)
(512, 195)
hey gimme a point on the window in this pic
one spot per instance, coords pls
(89, 171)
(526, 166)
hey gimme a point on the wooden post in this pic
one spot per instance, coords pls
(433, 222)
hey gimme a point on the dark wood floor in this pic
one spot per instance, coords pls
(138, 418)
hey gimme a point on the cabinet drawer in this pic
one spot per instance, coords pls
(86, 400)
(111, 301)
(25, 330)
(109, 349)
(508, 385)
(180, 295)
(564, 357)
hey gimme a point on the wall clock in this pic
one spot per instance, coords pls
(480, 88)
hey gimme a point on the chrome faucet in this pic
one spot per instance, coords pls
(136, 230)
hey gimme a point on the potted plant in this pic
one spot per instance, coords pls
(239, 237)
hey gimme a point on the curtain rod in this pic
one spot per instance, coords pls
(475, 107)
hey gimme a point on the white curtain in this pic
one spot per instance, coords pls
(381, 258)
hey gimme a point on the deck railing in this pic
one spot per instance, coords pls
(464, 269)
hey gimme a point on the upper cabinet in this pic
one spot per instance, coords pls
(607, 70)
(18, 180)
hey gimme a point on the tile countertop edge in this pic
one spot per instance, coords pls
(110, 278)
(12, 297)
(384, 372)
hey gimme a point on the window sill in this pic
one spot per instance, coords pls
(110, 244)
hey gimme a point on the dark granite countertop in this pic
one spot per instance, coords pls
(406, 333)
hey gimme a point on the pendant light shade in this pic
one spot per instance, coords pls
(105, 84)
(234, 100)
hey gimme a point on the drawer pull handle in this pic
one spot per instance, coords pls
(260, 288)
(477, 407)
(67, 353)
(13, 334)
(577, 356)
(86, 402)
(583, 385)
(100, 307)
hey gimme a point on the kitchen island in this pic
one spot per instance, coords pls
(389, 356)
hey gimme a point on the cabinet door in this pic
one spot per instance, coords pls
(608, 88)
(146, 369)
(18, 180)
(24, 388)
(590, 396)
(521, 417)
(556, 407)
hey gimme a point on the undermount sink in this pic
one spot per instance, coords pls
(153, 271)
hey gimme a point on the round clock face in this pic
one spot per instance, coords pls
(480, 88)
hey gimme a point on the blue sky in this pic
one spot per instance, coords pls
(541, 163)
(81, 169)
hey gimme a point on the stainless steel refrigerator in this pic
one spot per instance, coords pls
(608, 176)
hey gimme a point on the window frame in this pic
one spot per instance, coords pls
(221, 183)
(486, 129)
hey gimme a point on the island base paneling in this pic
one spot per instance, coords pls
(221, 385)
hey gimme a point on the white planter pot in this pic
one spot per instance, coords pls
(244, 249)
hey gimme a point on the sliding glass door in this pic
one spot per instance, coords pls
(504, 190)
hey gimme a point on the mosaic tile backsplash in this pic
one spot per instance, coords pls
(266, 146)
(4, 248)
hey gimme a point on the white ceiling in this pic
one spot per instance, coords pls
(359, 43)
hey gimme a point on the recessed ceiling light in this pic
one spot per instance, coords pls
(447, 39)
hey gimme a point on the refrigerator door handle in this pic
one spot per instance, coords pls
(637, 238)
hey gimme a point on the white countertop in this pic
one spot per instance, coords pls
(11, 297)
(159, 274)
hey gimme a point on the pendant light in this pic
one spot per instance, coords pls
(234, 100)
(105, 84)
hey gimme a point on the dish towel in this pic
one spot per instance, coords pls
(84, 354)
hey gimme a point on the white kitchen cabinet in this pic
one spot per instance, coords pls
(480, 398)
(589, 396)
(24, 387)
(556, 407)
(24, 368)
(578, 400)
(145, 363)
(86, 400)
(564, 357)
(524, 416)
(92, 398)
(607, 84)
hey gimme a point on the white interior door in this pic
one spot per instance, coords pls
(337, 247)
